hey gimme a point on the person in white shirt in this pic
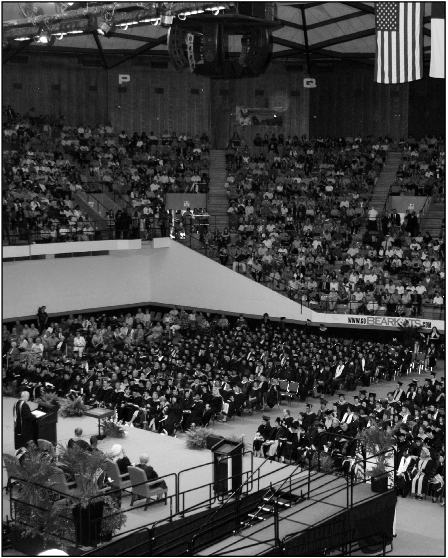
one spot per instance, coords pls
(79, 344)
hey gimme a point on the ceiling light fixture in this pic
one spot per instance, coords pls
(166, 20)
(182, 17)
(103, 27)
(44, 35)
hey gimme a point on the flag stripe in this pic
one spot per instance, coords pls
(437, 66)
(399, 47)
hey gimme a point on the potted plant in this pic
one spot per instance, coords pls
(323, 464)
(410, 334)
(196, 437)
(72, 407)
(378, 443)
(36, 512)
(96, 514)
(84, 517)
(48, 399)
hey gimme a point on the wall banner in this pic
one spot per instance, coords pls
(388, 321)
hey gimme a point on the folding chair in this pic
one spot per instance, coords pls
(293, 390)
(117, 478)
(419, 362)
(146, 490)
(283, 385)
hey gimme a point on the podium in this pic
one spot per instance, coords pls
(45, 425)
(227, 466)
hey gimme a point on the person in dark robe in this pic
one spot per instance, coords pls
(79, 441)
(24, 421)
(263, 433)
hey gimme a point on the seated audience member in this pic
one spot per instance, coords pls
(119, 457)
(79, 441)
(149, 471)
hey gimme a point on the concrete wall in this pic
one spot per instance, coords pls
(165, 273)
(181, 276)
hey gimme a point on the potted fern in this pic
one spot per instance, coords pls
(38, 517)
(72, 407)
(42, 518)
(379, 443)
(96, 514)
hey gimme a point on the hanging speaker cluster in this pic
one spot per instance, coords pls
(205, 51)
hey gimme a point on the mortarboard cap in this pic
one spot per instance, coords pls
(265, 418)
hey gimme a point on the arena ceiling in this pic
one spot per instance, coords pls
(325, 30)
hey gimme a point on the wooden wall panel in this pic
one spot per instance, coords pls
(427, 107)
(140, 108)
(340, 111)
(276, 84)
(74, 98)
(345, 102)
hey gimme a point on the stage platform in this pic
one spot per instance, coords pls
(422, 537)
(183, 469)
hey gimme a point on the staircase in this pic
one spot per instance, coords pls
(434, 220)
(217, 197)
(266, 508)
(386, 179)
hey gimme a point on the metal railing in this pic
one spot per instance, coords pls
(92, 522)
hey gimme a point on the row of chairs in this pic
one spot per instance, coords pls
(140, 487)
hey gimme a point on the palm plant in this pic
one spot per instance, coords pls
(35, 508)
(410, 333)
(378, 443)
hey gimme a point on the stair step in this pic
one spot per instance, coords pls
(257, 517)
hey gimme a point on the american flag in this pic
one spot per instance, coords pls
(399, 41)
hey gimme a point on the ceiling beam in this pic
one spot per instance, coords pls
(343, 39)
(11, 52)
(306, 5)
(307, 46)
(100, 50)
(360, 6)
(141, 50)
(291, 24)
(335, 20)
(138, 38)
(289, 44)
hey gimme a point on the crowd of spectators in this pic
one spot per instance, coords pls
(46, 162)
(296, 215)
(191, 368)
(422, 169)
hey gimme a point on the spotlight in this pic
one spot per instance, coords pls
(103, 27)
(182, 17)
(43, 37)
(166, 20)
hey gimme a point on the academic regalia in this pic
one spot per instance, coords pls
(24, 424)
